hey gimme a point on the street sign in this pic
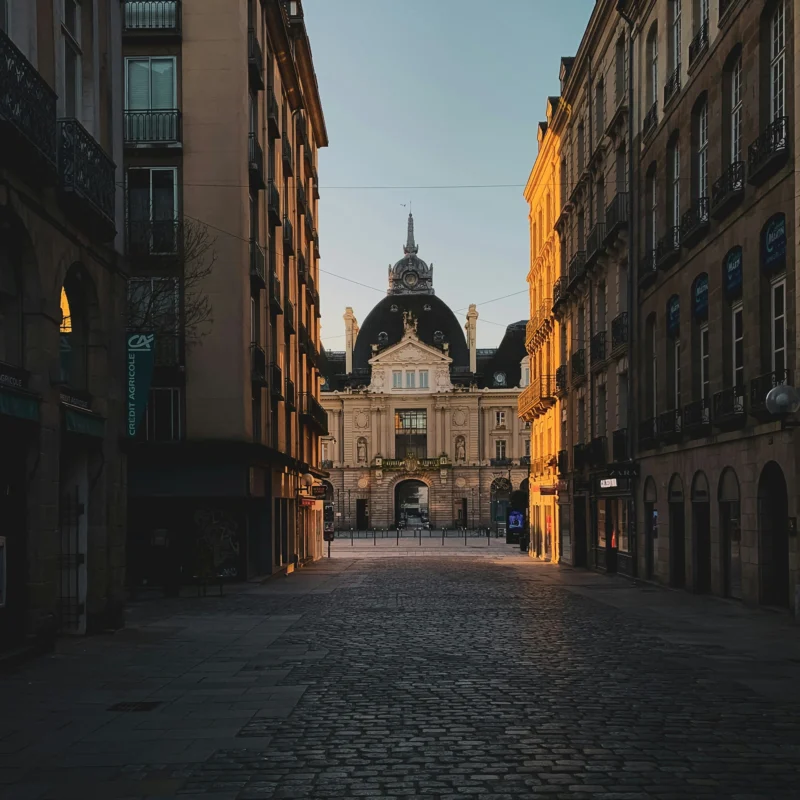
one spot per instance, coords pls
(319, 491)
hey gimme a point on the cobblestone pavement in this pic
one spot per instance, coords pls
(416, 677)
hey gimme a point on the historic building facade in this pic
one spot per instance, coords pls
(62, 306)
(717, 295)
(423, 424)
(223, 121)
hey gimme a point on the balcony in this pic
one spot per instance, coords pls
(291, 397)
(619, 331)
(258, 365)
(152, 127)
(577, 268)
(273, 115)
(616, 215)
(526, 404)
(728, 190)
(578, 365)
(273, 203)
(160, 17)
(597, 348)
(257, 266)
(697, 418)
(669, 425)
(543, 393)
(314, 414)
(729, 408)
(302, 338)
(255, 60)
(153, 239)
(761, 386)
(579, 458)
(562, 462)
(650, 121)
(302, 202)
(309, 218)
(648, 269)
(288, 316)
(561, 379)
(668, 248)
(595, 243)
(288, 162)
(276, 381)
(288, 236)
(255, 163)
(311, 290)
(769, 152)
(596, 452)
(724, 7)
(88, 180)
(560, 290)
(275, 296)
(326, 463)
(619, 445)
(302, 269)
(694, 222)
(648, 434)
(500, 462)
(315, 182)
(672, 86)
(531, 326)
(699, 44)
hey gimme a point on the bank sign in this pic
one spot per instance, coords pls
(141, 357)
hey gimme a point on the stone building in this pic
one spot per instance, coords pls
(423, 424)
(717, 295)
(62, 310)
(223, 121)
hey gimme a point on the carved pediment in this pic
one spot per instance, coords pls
(411, 351)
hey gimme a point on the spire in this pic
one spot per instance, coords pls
(411, 246)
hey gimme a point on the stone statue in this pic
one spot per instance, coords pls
(361, 449)
(461, 450)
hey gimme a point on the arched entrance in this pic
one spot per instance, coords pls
(677, 533)
(773, 536)
(328, 491)
(650, 527)
(731, 534)
(701, 534)
(501, 499)
(411, 504)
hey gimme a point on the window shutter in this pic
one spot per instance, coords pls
(163, 83)
(138, 85)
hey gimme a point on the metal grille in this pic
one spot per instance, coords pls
(72, 607)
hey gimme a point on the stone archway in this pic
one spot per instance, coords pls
(773, 536)
(701, 533)
(730, 534)
(411, 503)
(677, 533)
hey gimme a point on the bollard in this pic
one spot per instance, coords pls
(398, 536)
(442, 537)
(373, 537)
(488, 538)
(420, 536)
(465, 537)
(351, 537)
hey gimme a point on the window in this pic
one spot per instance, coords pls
(325, 449)
(526, 376)
(619, 69)
(500, 419)
(675, 42)
(600, 99)
(162, 418)
(601, 409)
(654, 372)
(411, 433)
(778, 314)
(411, 379)
(777, 63)
(581, 230)
(150, 86)
(737, 349)
(152, 201)
(705, 366)
(652, 60)
(581, 420)
(423, 379)
(652, 227)
(581, 148)
(527, 446)
(500, 449)
(397, 379)
(676, 182)
(676, 373)
(736, 111)
(622, 400)
(73, 77)
(702, 14)
(4, 15)
(702, 151)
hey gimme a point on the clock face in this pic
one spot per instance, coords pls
(500, 378)
(410, 279)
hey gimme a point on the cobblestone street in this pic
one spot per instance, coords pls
(415, 677)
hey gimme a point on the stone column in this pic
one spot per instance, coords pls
(471, 329)
(487, 427)
(350, 331)
(515, 449)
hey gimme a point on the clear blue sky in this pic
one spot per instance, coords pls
(433, 92)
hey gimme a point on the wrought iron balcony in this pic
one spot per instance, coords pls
(302, 337)
(650, 121)
(302, 269)
(544, 392)
(616, 215)
(560, 290)
(152, 126)
(729, 408)
(724, 7)
(326, 463)
(311, 290)
(87, 180)
(595, 243)
(302, 202)
(288, 162)
(314, 414)
(648, 433)
(315, 182)
(161, 17)
(694, 222)
(769, 152)
(290, 396)
(500, 462)
(255, 163)
(619, 445)
(545, 309)
(288, 236)
(288, 316)
(669, 425)
(668, 248)
(526, 403)
(273, 115)
(531, 326)
(153, 238)
(275, 296)
(699, 43)
(562, 462)
(273, 203)
(697, 418)
(561, 378)
(579, 457)
(257, 265)
(597, 348)
(761, 386)
(619, 331)
(672, 86)
(577, 267)
(309, 219)
(728, 190)
(648, 268)
(276, 381)
(578, 365)
(255, 60)
(258, 365)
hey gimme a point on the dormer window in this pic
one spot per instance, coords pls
(423, 379)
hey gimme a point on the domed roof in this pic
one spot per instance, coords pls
(432, 316)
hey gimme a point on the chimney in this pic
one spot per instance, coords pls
(350, 331)
(471, 328)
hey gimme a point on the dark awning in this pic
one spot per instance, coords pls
(84, 423)
(17, 405)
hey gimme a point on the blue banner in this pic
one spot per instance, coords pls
(773, 244)
(141, 359)
(673, 315)
(733, 273)
(700, 297)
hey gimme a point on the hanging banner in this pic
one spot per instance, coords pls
(141, 359)
(733, 273)
(773, 244)
(701, 297)
(673, 315)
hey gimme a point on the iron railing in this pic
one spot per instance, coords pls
(288, 236)
(650, 120)
(761, 386)
(560, 290)
(315, 414)
(290, 397)
(255, 162)
(648, 268)
(561, 378)
(257, 264)
(771, 146)
(153, 237)
(694, 222)
(288, 315)
(673, 85)
(697, 416)
(288, 163)
(597, 347)
(668, 247)
(594, 243)
(152, 126)
(562, 461)
(276, 381)
(255, 59)
(302, 202)
(578, 364)
(273, 114)
(160, 16)
(729, 406)
(647, 433)
(727, 188)
(577, 267)
(619, 330)
(258, 364)
(669, 424)
(274, 202)
(699, 43)
(616, 214)
(275, 296)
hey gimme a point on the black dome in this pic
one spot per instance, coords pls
(432, 315)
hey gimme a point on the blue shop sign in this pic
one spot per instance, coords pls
(773, 244)
(733, 273)
(701, 297)
(673, 315)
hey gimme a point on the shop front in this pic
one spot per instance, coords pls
(613, 540)
(544, 542)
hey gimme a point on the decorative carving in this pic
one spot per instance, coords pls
(361, 450)
(411, 464)
(363, 483)
(461, 483)
(443, 378)
(409, 323)
(461, 449)
(378, 381)
(459, 417)
(361, 420)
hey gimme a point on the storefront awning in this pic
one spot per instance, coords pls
(84, 424)
(19, 405)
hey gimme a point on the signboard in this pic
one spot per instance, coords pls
(608, 483)
(141, 359)
(307, 502)
(547, 490)
(627, 471)
(319, 490)
(700, 297)
(673, 315)
(733, 273)
(773, 244)
(516, 521)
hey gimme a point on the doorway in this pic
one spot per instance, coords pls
(411, 504)
(362, 515)
(701, 534)
(579, 540)
(730, 527)
(773, 537)
(650, 528)
(677, 534)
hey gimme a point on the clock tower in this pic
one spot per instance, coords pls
(411, 275)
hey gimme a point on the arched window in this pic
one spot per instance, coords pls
(651, 228)
(675, 35)
(674, 164)
(619, 69)
(701, 340)
(777, 62)
(736, 110)
(673, 313)
(651, 368)
(701, 149)
(74, 330)
(652, 66)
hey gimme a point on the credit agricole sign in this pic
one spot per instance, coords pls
(141, 357)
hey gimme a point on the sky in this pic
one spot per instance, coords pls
(424, 93)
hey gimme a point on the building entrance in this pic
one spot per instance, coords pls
(411, 504)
